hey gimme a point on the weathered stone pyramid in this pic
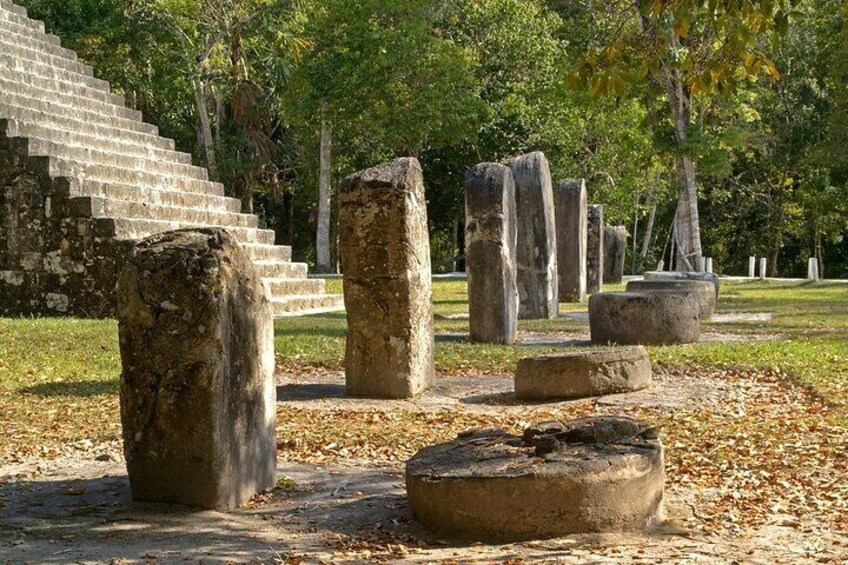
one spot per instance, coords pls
(82, 178)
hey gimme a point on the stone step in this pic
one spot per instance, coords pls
(287, 287)
(135, 229)
(307, 304)
(151, 195)
(95, 207)
(93, 157)
(30, 26)
(268, 253)
(280, 270)
(9, 6)
(111, 174)
(65, 106)
(61, 126)
(54, 71)
(31, 33)
(16, 48)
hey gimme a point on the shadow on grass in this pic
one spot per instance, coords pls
(80, 389)
(310, 331)
(310, 391)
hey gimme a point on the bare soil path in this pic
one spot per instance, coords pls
(743, 485)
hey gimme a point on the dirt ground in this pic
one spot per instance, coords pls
(76, 508)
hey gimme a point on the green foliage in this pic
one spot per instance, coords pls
(456, 82)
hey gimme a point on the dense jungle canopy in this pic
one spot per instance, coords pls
(734, 110)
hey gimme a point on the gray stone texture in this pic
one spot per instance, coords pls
(385, 252)
(572, 233)
(602, 474)
(646, 318)
(595, 250)
(536, 246)
(579, 374)
(490, 238)
(197, 386)
(615, 253)
(83, 179)
(704, 290)
(684, 275)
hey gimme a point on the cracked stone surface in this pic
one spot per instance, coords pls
(197, 382)
(579, 374)
(597, 474)
(385, 251)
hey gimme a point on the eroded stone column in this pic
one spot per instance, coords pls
(385, 251)
(595, 250)
(197, 386)
(490, 236)
(571, 239)
(536, 247)
(615, 252)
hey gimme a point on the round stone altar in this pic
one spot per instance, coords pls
(598, 474)
(704, 290)
(578, 374)
(644, 318)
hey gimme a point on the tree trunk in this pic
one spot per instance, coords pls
(649, 229)
(459, 237)
(688, 232)
(204, 134)
(288, 217)
(633, 237)
(322, 239)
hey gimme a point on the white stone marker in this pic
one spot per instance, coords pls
(813, 269)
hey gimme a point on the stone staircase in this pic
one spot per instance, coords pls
(82, 178)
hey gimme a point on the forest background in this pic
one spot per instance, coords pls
(734, 110)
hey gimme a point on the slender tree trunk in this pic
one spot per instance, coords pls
(649, 229)
(322, 239)
(204, 135)
(688, 232)
(288, 217)
(459, 237)
(776, 223)
(220, 116)
(634, 237)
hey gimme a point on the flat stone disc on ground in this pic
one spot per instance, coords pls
(578, 374)
(600, 474)
(703, 289)
(685, 276)
(644, 318)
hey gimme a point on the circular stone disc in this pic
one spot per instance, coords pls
(600, 474)
(577, 374)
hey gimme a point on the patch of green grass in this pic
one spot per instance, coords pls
(59, 356)
(78, 359)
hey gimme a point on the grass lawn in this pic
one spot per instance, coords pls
(59, 377)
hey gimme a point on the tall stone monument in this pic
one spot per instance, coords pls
(385, 252)
(571, 238)
(536, 247)
(615, 253)
(197, 387)
(595, 250)
(490, 237)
